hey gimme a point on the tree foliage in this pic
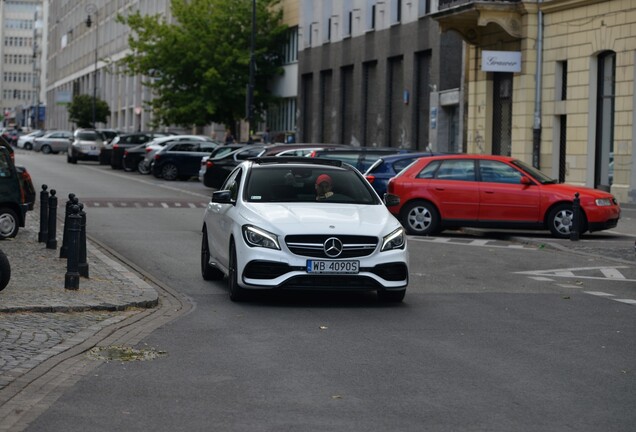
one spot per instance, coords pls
(198, 65)
(80, 111)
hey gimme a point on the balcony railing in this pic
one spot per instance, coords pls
(447, 4)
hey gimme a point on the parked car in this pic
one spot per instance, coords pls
(218, 168)
(5, 144)
(218, 152)
(268, 229)
(14, 196)
(26, 141)
(87, 145)
(157, 144)
(386, 167)
(53, 142)
(495, 192)
(360, 158)
(113, 152)
(12, 134)
(133, 157)
(180, 159)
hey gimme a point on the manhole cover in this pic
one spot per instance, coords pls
(124, 354)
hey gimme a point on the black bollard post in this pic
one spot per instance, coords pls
(67, 212)
(51, 242)
(43, 235)
(575, 231)
(82, 263)
(71, 278)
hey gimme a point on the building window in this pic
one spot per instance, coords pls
(605, 98)
(423, 7)
(396, 11)
(290, 50)
(562, 80)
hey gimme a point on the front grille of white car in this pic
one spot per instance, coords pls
(313, 246)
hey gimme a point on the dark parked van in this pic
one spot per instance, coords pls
(14, 196)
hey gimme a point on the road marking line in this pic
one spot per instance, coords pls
(612, 273)
(165, 205)
(628, 301)
(568, 286)
(541, 278)
(479, 242)
(599, 293)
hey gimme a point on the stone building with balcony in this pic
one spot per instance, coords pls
(552, 82)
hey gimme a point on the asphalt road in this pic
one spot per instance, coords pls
(495, 334)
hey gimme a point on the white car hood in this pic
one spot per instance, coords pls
(318, 218)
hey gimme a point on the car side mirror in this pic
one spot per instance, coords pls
(391, 200)
(222, 197)
(525, 181)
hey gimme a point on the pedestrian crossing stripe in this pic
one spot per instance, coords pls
(598, 273)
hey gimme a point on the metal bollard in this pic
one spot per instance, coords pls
(51, 242)
(82, 264)
(575, 231)
(43, 235)
(72, 276)
(67, 212)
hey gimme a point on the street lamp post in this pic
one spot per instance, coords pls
(250, 86)
(92, 9)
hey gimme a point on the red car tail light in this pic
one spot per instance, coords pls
(115, 146)
(157, 157)
(370, 178)
(209, 164)
(148, 149)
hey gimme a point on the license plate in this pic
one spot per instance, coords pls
(333, 267)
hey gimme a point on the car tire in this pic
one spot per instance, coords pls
(46, 149)
(237, 294)
(560, 221)
(9, 223)
(420, 218)
(208, 272)
(142, 168)
(5, 270)
(70, 159)
(386, 296)
(28, 146)
(169, 172)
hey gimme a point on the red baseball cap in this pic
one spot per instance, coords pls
(323, 178)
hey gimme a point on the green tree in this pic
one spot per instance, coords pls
(198, 66)
(80, 111)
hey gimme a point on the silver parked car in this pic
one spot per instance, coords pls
(53, 142)
(26, 141)
(87, 145)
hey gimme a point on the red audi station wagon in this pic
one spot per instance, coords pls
(493, 192)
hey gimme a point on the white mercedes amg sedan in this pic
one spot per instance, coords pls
(303, 224)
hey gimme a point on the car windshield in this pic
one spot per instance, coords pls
(538, 175)
(287, 183)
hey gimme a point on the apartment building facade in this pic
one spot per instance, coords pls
(82, 60)
(22, 33)
(552, 82)
(379, 73)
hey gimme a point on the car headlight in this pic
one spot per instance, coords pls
(603, 202)
(257, 237)
(395, 240)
